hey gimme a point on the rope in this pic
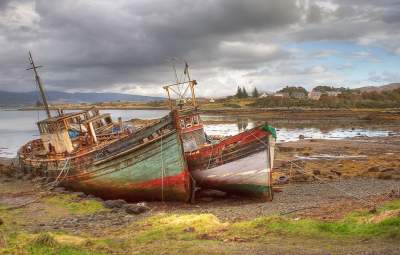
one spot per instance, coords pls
(162, 171)
(57, 181)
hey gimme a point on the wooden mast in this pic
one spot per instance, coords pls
(181, 94)
(39, 83)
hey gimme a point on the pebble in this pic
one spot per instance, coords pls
(117, 203)
(136, 208)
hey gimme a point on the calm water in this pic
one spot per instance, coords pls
(18, 127)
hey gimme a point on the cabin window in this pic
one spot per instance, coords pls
(195, 120)
(43, 128)
(188, 121)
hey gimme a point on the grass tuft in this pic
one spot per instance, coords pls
(176, 227)
(75, 205)
(45, 239)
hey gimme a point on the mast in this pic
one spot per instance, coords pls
(39, 83)
(175, 88)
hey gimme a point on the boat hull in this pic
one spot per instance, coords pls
(148, 165)
(241, 164)
(147, 173)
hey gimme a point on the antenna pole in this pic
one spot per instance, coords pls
(39, 83)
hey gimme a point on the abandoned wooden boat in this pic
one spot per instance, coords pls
(86, 151)
(241, 164)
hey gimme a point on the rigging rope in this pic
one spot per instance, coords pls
(162, 170)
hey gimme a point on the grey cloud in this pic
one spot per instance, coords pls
(122, 44)
(95, 44)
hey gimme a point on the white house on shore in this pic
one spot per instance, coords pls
(315, 95)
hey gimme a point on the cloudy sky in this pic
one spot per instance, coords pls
(128, 45)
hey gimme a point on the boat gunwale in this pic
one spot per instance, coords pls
(93, 149)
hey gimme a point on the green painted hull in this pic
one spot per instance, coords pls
(156, 171)
(147, 165)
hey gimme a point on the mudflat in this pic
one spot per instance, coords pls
(340, 197)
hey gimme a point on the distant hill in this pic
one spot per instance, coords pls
(30, 98)
(387, 87)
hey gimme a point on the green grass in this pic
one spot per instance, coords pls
(355, 225)
(176, 227)
(75, 206)
(204, 233)
(64, 250)
(390, 205)
(44, 243)
(312, 228)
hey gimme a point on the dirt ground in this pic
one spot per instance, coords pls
(315, 179)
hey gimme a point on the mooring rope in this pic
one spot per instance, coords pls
(64, 169)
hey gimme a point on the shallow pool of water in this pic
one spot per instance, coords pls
(18, 127)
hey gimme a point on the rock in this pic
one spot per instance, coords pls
(59, 189)
(384, 176)
(115, 209)
(374, 169)
(1, 222)
(136, 208)
(388, 170)
(316, 172)
(300, 177)
(301, 137)
(80, 194)
(128, 217)
(117, 203)
(336, 172)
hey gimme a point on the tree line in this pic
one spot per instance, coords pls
(242, 92)
(347, 99)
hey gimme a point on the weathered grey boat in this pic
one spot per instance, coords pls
(86, 151)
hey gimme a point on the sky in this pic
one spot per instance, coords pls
(129, 46)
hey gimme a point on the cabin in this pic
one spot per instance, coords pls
(66, 133)
(191, 129)
(186, 115)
